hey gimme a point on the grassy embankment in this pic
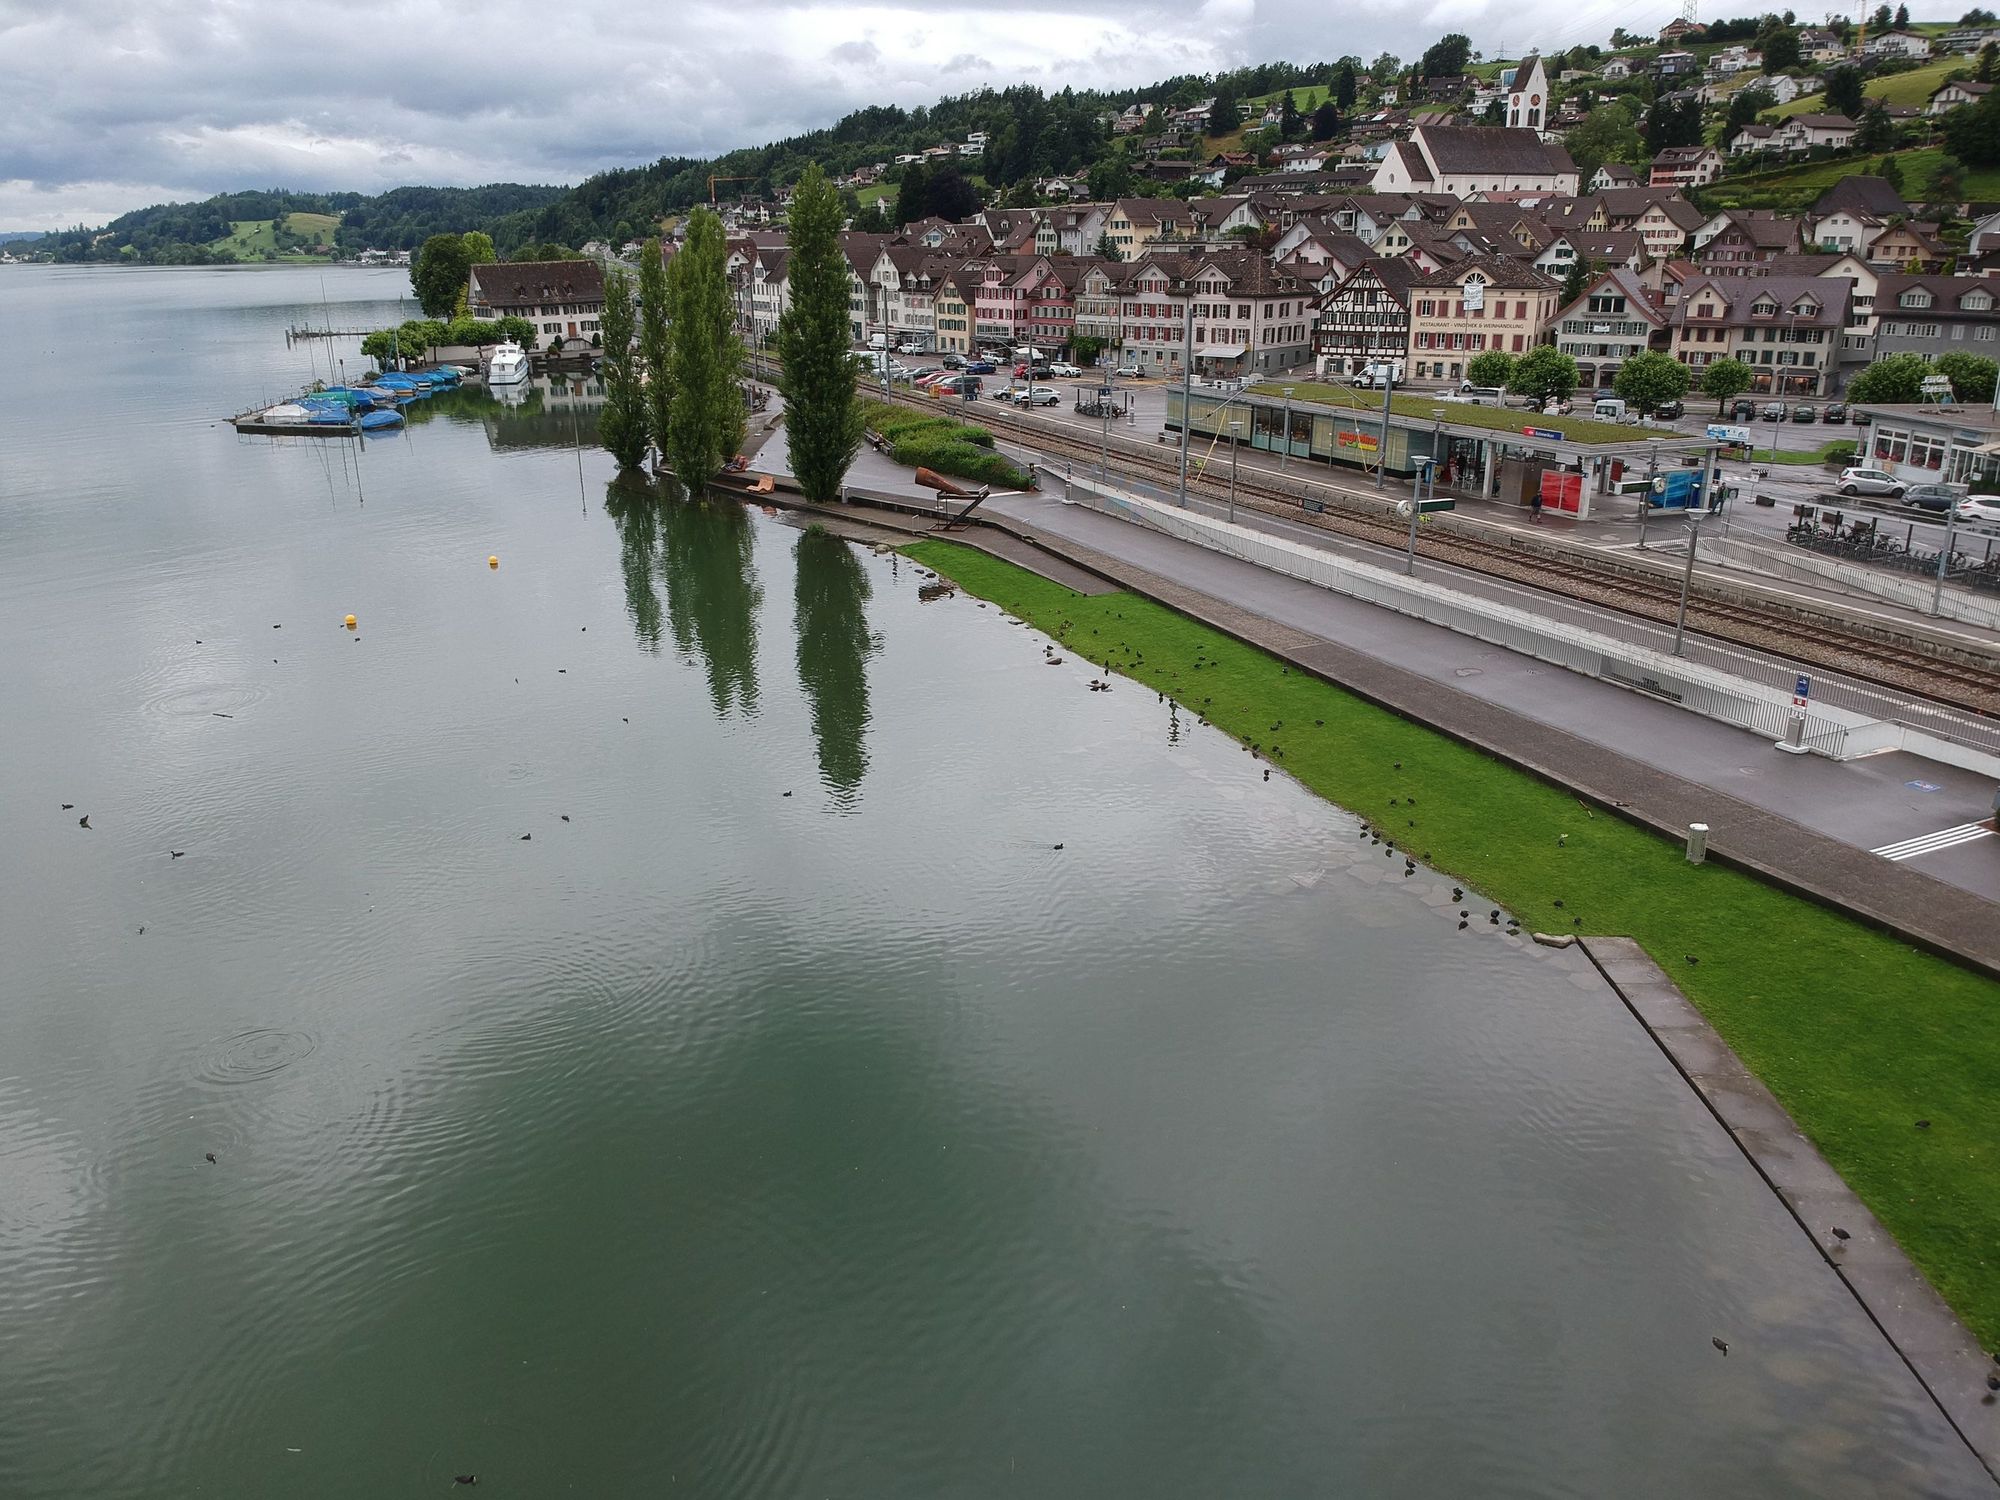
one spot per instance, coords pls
(1789, 185)
(1460, 413)
(1913, 87)
(932, 441)
(1859, 1035)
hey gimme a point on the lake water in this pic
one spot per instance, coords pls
(650, 1044)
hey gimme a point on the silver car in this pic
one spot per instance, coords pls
(1868, 481)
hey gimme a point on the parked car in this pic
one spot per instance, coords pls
(1668, 411)
(1009, 393)
(924, 372)
(1978, 508)
(1040, 395)
(1130, 372)
(1937, 498)
(1064, 371)
(1773, 411)
(1805, 414)
(979, 367)
(910, 346)
(1862, 480)
(1834, 411)
(1742, 410)
(951, 361)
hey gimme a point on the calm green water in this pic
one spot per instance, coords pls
(784, 1116)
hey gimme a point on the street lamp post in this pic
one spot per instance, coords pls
(1187, 385)
(1237, 427)
(1382, 452)
(1944, 557)
(1652, 473)
(1694, 520)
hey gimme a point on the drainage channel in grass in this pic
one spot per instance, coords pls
(1859, 1035)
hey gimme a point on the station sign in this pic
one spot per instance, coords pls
(1542, 432)
(1801, 691)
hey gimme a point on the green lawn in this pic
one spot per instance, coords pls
(1464, 413)
(1857, 1034)
(1913, 87)
(1820, 455)
(1306, 99)
(253, 238)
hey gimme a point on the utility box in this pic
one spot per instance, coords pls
(1520, 480)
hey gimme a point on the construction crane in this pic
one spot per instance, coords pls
(714, 180)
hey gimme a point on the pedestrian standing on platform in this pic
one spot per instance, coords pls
(1535, 506)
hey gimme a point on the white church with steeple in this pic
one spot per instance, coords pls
(1528, 97)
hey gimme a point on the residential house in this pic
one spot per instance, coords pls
(1302, 158)
(1135, 223)
(1786, 328)
(1243, 316)
(769, 289)
(1819, 46)
(1896, 44)
(1528, 96)
(864, 301)
(562, 298)
(1616, 319)
(1463, 160)
(1660, 217)
(1955, 95)
(1314, 244)
(1686, 167)
(1678, 31)
(1933, 315)
(1610, 249)
(1364, 319)
(1100, 293)
(1612, 174)
(1616, 69)
(1801, 133)
(904, 278)
(1984, 238)
(954, 298)
(1672, 65)
(1484, 302)
(1754, 140)
(1969, 38)
(1909, 246)
(1736, 240)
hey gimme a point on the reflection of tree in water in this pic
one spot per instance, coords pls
(633, 503)
(834, 647)
(712, 594)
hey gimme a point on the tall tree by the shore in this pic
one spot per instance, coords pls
(704, 355)
(438, 274)
(654, 348)
(822, 418)
(621, 424)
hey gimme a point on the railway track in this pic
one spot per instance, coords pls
(1821, 642)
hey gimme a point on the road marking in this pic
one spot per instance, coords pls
(1930, 843)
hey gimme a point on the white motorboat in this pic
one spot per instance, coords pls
(507, 365)
(286, 413)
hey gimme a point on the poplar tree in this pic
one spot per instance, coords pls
(704, 357)
(653, 339)
(822, 417)
(621, 425)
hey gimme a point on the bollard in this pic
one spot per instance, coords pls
(1697, 843)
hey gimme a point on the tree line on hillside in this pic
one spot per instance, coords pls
(400, 219)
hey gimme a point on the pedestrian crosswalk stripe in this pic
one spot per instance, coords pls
(1930, 843)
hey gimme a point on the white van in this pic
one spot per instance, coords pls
(1482, 395)
(878, 341)
(1608, 409)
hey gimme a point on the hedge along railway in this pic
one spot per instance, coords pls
(1799, 630)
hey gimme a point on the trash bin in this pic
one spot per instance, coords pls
(1767, 501)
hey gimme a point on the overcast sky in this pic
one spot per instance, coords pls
(110, 105)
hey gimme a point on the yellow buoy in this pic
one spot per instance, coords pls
(349, 622)
(492, 562)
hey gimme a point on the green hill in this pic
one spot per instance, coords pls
(286, 235)
(1913, 87)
